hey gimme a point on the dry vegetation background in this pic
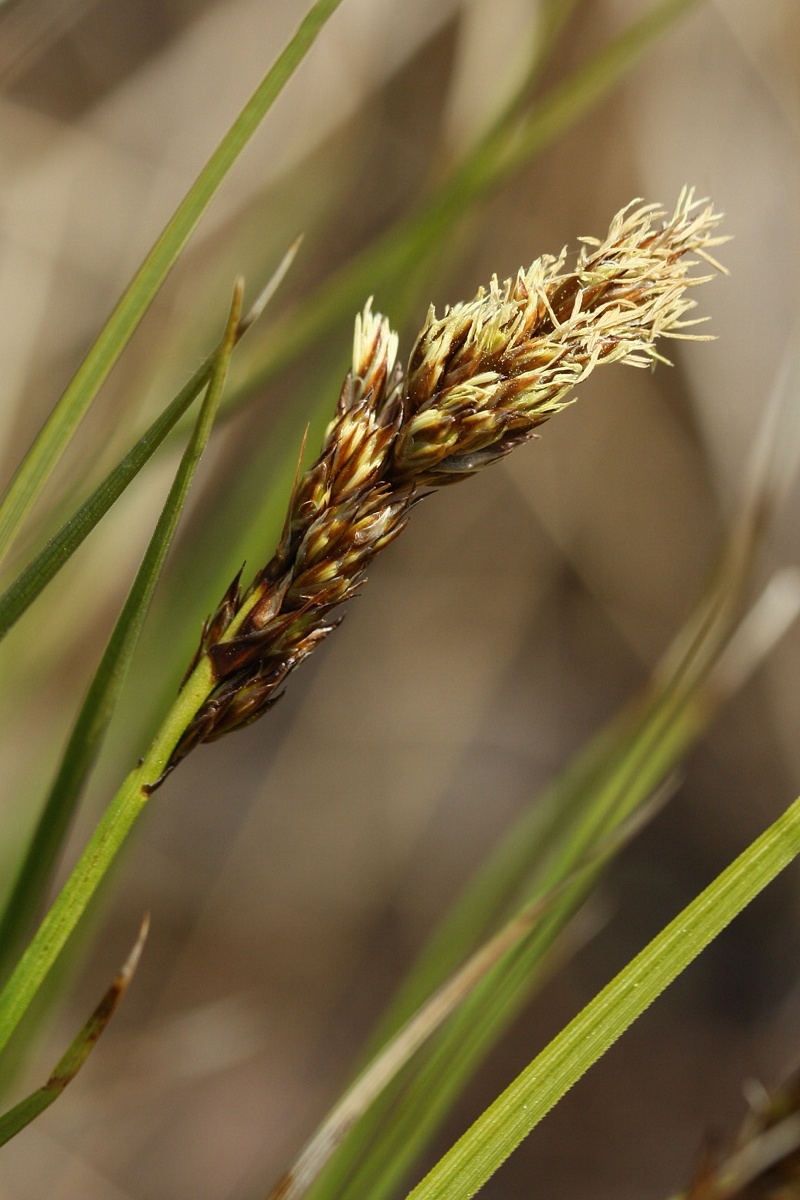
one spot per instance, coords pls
(294, 870)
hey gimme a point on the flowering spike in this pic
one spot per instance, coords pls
(480, 380)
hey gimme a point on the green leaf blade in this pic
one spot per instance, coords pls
(500, 1129)
(34, 578)
(15, 1120)
(32, 581)
(57, 431)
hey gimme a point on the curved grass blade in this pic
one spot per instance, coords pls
(57, 431)
(511, 142)
(98, 707)
(34, 578)
(500, 1129)
(65, 1070)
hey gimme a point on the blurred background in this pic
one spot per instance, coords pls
(294, 870)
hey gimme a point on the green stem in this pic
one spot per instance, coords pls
(98, 856)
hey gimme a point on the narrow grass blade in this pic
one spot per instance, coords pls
(421, 1027)
(97, 710)
(502, 151)
(408, 1114)
(65, 1070)
(569, 100)
(383, 1146)
(70, 409)
(443, 1070)
(553, 18)
(34, 578)
(500, 1129)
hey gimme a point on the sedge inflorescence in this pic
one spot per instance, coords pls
(480, 380)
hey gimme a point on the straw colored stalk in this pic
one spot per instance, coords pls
(480, 380)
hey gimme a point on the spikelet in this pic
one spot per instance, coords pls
(480, 380)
